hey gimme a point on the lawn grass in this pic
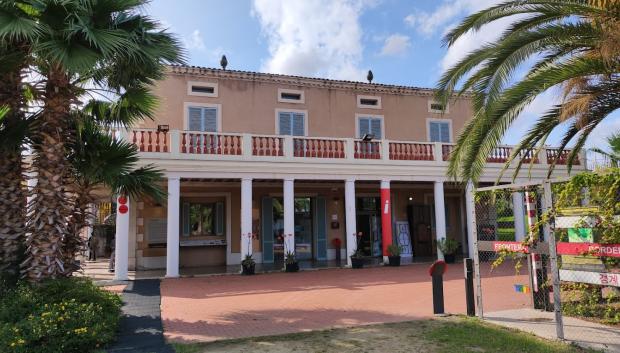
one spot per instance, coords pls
(446, 335)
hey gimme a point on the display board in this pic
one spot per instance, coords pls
(404, 238)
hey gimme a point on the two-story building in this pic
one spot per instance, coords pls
(259, 163)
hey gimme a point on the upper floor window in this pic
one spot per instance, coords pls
(291, 123)
(290, 96)
(370, 125)
(203, 118)
(205, 89)
(372, 102)
(439, 131)
(437, 107)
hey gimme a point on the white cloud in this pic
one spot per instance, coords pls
(313, 37)
(195, 41)
(395, 44)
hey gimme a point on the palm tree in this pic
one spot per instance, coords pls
(614, 150)
(570, 44)
(100, 161)
(87, 47)
(17, 30)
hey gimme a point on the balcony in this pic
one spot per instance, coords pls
(232, 146)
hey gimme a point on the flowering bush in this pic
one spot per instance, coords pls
(64, 315)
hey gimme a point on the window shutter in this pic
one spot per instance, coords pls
(219, 218)
(285, 123)
(364, 125)
(195, 119)
(375, 128)
(185, 218)
(210, 119)
(298, 125)
(434, 132)
(445, 132)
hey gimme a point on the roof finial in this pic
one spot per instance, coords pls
(224, 62)
(370, 76)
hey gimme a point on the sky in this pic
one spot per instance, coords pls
(399, 40)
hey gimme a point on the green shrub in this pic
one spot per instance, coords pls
(64, 315)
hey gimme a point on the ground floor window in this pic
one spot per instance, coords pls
(203, 219)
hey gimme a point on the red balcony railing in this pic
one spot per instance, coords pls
(562, 157)
(445, 152)
(211, 143)
(366, 149)
(150, 140)
(499, 155)
(267, 146)
(411, 151)
(318, 148)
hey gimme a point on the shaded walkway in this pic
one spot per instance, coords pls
(141, 328)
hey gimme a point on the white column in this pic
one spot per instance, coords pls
(471, 224)
(519, 214)
(440, 215)
(172, 244)
(289, 214)
(350, 221)
(121, 243)
(246, 217)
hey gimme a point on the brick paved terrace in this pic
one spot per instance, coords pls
(233, 306)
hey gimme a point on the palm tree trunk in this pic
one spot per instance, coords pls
(51, 204)
(81, 216)
(12, 191)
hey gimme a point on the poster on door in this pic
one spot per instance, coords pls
(403, 238)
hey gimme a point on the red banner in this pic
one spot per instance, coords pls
(592, 249)
(512, 246)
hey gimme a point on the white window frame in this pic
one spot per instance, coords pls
(283, 110)
(301, 100)
(435, 111)
(187, 105)
(373, 116)
(428, 128)
(214, 85)
(365, 106)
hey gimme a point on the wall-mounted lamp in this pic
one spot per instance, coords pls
(368, 137)
(163, 128)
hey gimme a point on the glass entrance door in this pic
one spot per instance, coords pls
(304, 239)
(369, 224)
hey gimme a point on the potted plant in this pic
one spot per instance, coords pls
(357, 259)
(290, 261)
(394, 255)
(248, 265)
(448, 247)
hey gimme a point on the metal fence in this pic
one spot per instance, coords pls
(537, 260)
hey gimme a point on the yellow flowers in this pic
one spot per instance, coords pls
(19, 342)
(81, 330)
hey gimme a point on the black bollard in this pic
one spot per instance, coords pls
(436, 271)
(469, 287)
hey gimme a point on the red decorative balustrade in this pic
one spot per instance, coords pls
(267, 146)
(366, 149)
(445, 152)
(527, 156)
(149, 140)
(318, 148)
(560, 158)
(210, 143)
(407, 151)
(499, 155)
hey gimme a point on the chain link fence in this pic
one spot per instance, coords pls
(541, 255)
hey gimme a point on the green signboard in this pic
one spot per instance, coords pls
(580, 235)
